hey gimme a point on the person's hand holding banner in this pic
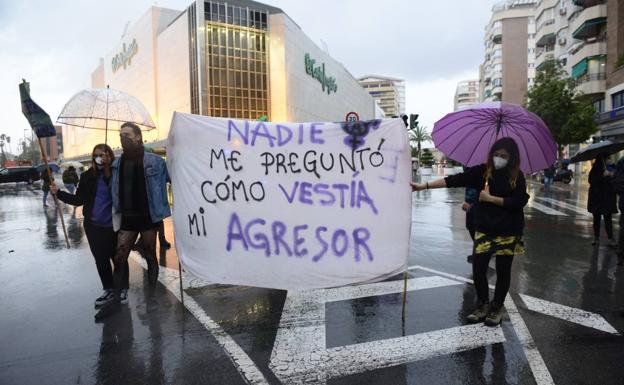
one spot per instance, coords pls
(293, 205)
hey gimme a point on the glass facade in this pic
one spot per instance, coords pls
(236, 61)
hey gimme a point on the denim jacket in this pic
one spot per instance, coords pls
(156, 178)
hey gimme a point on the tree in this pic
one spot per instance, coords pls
(427, 157)
(30, 151)
(569, 115)
(418, 135)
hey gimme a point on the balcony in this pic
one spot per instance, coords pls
(590, 84)
(586, 3)
(542, 57)
(546, 34)
(589, 21)
(588, 50)
(610, 116)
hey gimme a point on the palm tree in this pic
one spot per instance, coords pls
(3, 157)
(417, 136)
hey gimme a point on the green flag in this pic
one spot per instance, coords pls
(38, 119)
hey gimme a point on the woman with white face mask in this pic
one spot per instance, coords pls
(499, 222)
(94, 194)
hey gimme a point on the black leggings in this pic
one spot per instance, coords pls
(103, 244)
(503, 277)
(608, 225)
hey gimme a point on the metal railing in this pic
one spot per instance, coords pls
(590, 77)
(608, 116)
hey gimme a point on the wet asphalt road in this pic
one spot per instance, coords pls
(563, 325)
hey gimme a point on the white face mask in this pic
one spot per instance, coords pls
(499, 163)
(98, 160)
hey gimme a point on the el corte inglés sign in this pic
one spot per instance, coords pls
(124, 58)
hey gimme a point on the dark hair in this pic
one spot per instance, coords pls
(102, 147)
(513, 165)
(135, 128)
(599, 162)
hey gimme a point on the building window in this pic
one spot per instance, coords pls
(599, 105)
(236, 62)
(617, 100)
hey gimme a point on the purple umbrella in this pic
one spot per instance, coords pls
(467, 135)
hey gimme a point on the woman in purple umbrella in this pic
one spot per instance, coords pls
(499, 222)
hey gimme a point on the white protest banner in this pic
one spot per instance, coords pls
(292, 205)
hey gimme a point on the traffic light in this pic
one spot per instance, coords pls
(404, 117)
(413, 121)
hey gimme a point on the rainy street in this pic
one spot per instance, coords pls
(563, 322)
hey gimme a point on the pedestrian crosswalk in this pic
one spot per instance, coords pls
(555, 207)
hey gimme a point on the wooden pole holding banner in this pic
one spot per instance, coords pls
(56, 203)
(404, 295)
(181, 285)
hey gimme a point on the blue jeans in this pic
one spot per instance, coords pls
(45, 197)
(547, 181)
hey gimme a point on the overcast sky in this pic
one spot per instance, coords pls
(432, 44)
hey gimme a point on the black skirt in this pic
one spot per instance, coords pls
(137, 223)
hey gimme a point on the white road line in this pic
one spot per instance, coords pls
(546, 209)
(382, 288)
(564, 205)
(577, 316)
(243, 363)
(536, 361)
(300, 354)
(358, 358)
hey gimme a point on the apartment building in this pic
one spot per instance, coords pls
(466, 94)
(389, 93)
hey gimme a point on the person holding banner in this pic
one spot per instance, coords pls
(499, 222)
(94, 194)
(139, 195)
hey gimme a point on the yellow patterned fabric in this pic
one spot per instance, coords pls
(498, 245)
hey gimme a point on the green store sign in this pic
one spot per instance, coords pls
(327, 82)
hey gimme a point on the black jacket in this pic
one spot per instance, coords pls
(85, 194)
(492, 219)
(601, 198)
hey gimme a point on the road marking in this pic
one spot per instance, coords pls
(536, 361)
(564, 205)
(546, 209)
(300, 354)
(570, 314)
(244, 364)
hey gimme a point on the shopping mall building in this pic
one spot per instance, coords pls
(239, 59)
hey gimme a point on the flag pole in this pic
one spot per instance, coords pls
(106, 120)
(56, 202)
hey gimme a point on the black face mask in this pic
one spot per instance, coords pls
(129, 145)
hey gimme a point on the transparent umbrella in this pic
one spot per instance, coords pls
(105, 109)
